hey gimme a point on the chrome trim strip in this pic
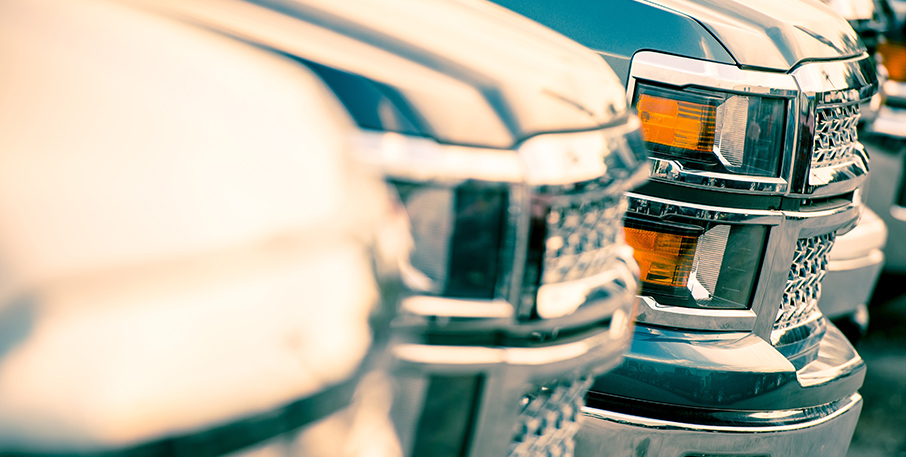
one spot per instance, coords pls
(422, 305)
(845, 78)
(729, 320)
(683, 71)
(422, 159)
(673, 171)
(836, 179)
(645, 422)
(567, 158)
(482, 355)
(805, 215)
(548, 159)
(660, 207)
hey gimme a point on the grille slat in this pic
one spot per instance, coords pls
(803, 286)
(836, 135)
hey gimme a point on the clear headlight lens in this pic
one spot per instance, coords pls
(697, 265)
(713, 131)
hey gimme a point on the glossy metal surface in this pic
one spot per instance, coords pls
(652, 312)
(421, 51)
(828, 84)
(549, 159)
(727, 370)
(775, 34)
(602, 297)
(577, 322)
(812, 85)
(751, 435)
(672, 171)
(684, 70)
(664, 208)
(613, 29)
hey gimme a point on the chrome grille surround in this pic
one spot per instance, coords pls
(581, 236)
(803, 286)
(836, 137)
(548, 421)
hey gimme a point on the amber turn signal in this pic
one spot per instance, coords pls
(677, 123)
(664, 252)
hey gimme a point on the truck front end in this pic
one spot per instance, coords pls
(512, 167)
(731, 343)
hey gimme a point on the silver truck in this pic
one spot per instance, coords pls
(749, 111)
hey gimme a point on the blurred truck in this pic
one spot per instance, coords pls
(511, 164)
(192, 263)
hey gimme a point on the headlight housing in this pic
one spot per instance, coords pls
(458, 232)
(697, 264)
(713, 131)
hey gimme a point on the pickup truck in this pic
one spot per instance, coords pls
(749, 112)
(512, 167)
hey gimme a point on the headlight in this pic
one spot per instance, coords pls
(713, 131)
(457, 231)
(697, 265)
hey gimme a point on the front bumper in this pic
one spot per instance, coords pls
(605, 433)
(718, 394)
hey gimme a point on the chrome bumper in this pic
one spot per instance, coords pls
(605, 433)
(719, 394)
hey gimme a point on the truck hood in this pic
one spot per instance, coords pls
(773, 34)
(472, 72)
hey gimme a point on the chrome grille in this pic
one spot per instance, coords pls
(548, 421)
(803, 287)
(581, 236)
(835, 134)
